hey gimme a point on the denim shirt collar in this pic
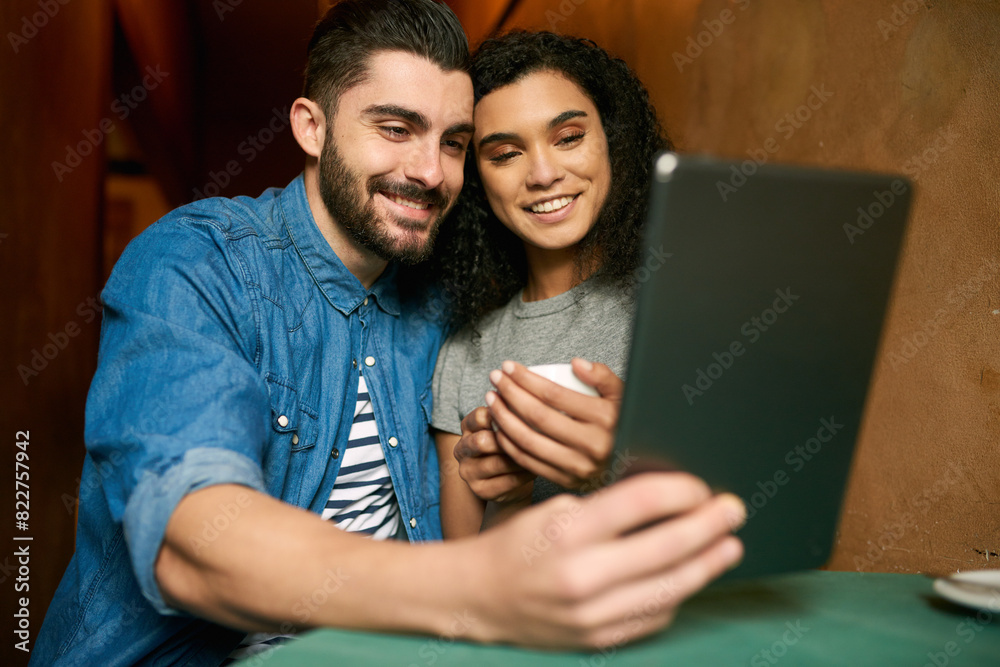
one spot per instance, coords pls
(341, 287)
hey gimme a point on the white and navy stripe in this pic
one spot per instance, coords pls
(362, 501)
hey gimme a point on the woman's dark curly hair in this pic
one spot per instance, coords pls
(480, 262)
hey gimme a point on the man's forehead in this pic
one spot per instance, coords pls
(396, 79)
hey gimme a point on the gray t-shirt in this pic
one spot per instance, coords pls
(593, 320)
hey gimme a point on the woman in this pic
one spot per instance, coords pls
(538, 260)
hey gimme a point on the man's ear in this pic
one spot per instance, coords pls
(308, 126)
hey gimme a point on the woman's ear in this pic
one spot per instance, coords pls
(308, 126)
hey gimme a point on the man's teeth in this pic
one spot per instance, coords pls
(408, 202)
(551, 205)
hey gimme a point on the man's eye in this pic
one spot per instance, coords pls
(394, 131)
(456, 145)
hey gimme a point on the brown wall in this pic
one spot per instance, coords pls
(53, 89)
(914, 90)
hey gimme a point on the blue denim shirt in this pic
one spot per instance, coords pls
(230, 350)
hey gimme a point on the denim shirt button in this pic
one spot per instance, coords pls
(393, 442)
(413, 523)
(369, 361)
(282, 421)
(335, 453)
(295, 438)
(366, 301)
(354, 363)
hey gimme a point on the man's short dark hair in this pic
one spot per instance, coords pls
(353, 31)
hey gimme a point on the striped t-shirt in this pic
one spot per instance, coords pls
(362, 501)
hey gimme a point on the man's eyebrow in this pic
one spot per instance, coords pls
(460, 128)
(565, 116)
(412, 117)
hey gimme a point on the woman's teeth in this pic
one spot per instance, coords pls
(408, 202)
(552, 205)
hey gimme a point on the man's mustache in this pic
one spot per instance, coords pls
(408, 190)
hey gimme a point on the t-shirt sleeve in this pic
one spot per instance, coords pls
(448, 372)
(176, 404)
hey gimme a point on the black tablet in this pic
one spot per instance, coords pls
(755, 335)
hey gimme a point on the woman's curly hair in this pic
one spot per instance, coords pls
(481, 263)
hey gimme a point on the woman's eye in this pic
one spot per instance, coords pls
(504, 157)
(571, 139)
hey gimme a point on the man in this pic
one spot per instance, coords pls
(254, 351)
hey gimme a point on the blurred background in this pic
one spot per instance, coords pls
(113, 112)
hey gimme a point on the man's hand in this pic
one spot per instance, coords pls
(489, 472)
(554, 432)
(606, 569)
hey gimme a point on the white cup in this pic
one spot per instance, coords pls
(563, 375)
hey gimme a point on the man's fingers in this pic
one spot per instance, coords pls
(637, 502)
(636, 608)
(671, 544)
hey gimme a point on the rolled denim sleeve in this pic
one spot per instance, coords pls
(177, 403)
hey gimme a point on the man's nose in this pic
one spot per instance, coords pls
(424, 166)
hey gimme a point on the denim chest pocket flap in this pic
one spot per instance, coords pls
(291, 418)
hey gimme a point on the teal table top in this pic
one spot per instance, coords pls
(811, 618)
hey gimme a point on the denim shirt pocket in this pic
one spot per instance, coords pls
(293, 421)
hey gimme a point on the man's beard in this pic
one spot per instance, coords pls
(341, 191)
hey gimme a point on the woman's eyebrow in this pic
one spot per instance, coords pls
(498, 137)
(565, 116)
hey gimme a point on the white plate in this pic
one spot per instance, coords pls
(971, 589)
